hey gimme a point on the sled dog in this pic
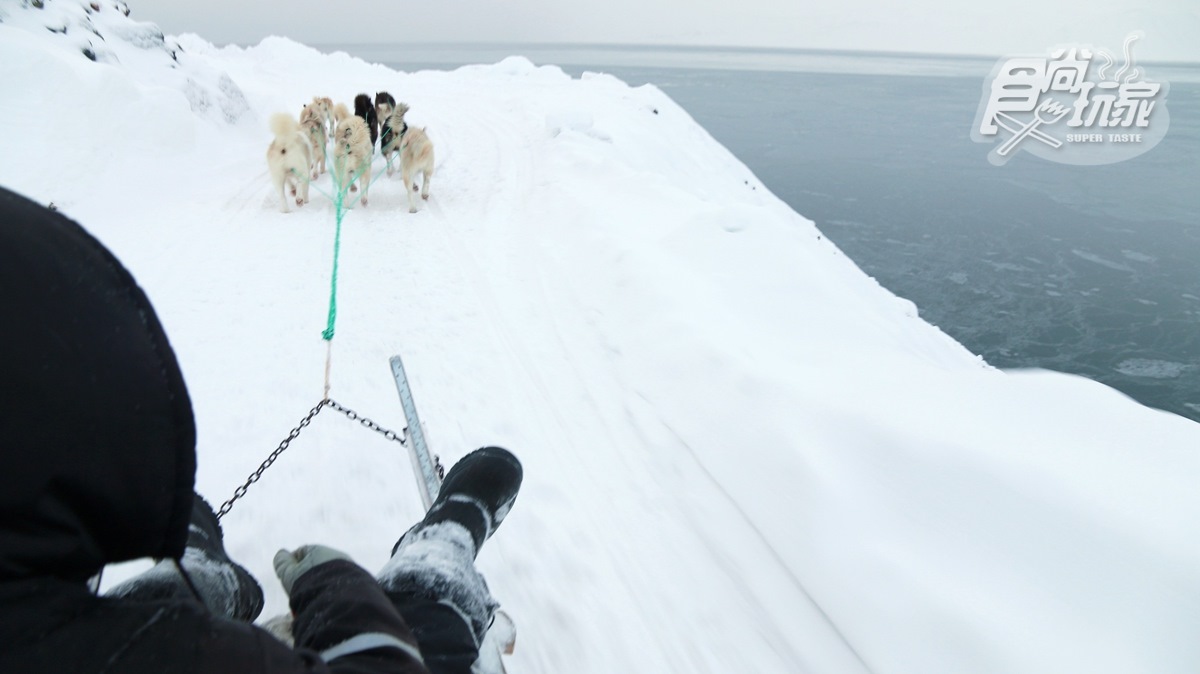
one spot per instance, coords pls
(416, 155)
(352, 153)
(312, 122)
(325, 108)
(365, 109)
(289, 158)
(339, 113)
(384, 105)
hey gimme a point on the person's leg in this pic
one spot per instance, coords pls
(224, 587)
(431, 576)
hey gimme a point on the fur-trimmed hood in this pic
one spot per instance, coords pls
(97, 438)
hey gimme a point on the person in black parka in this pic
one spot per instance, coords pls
(97, 443)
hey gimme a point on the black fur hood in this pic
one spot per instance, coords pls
(97, 439)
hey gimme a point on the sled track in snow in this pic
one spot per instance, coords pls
(507, 171)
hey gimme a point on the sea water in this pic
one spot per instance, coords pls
(1092, 270)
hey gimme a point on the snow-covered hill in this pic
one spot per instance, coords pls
(742, 454)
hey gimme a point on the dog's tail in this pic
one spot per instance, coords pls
(340, 112)
(283, 124)
(396, 119)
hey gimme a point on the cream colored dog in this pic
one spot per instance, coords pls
(312, 122)
(289, 158)
(416, 155)
(325, 107)
(352, 153)
(340, 112)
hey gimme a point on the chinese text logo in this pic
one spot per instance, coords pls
(1072, 107)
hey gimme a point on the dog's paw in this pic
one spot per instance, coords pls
(425, 197)
(354, 188)
(415, 188)
(299, 201)
(413, 209)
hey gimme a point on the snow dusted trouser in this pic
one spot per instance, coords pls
(432, 581)
(227, 589)
(431, 577)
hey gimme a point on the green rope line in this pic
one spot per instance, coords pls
(340, 206)
(327, 335)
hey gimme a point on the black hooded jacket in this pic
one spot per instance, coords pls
(97, 463)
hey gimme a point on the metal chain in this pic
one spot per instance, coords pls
(390, 435)
(257, 475)
(353, 416)
(295, 433)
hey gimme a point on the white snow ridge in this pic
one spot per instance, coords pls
(741, 454)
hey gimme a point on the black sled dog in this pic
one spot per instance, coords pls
(363, 108)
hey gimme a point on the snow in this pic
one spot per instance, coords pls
(741, 453)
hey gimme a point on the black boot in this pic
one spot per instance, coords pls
(477, 493)
(203, 578)
(243, 602)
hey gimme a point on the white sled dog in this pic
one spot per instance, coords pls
(313, 123)
(340, 112)
(288, 159)
(352, 153)
(325, 106)
(416, 155)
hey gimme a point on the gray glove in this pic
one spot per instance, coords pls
(291, 565)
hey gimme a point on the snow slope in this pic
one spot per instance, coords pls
(741, 453)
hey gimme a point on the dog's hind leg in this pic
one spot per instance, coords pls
(426, 176)
(409, 188)
(296, 190)
(281, 186)
(366, 178)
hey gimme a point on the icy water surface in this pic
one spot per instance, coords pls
(1093, 270)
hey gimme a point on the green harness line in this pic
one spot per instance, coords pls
(340, 207)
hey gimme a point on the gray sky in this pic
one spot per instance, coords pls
(1000, 27)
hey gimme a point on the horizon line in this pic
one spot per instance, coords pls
(707, 47)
